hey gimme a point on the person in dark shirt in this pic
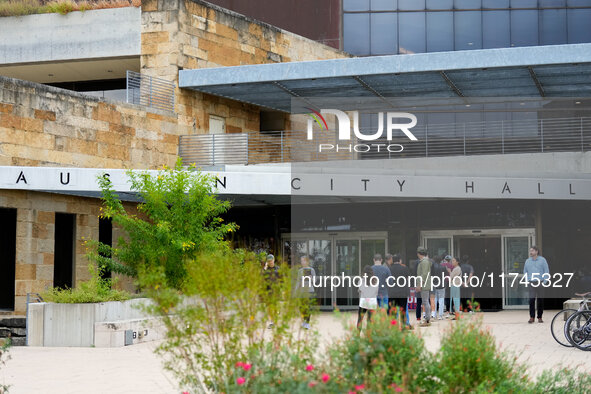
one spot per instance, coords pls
(382, 272)
(399, 286)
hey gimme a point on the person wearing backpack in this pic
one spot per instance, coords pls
(304, 289)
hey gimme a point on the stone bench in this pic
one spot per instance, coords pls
(573, 303)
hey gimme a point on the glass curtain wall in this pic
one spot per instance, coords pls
(385, 27)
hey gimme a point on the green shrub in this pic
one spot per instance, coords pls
(222, 317)
(178, 217)
(562, 381)
(96, 289)
(61, 7)
(385, 355)
(469, 361)
(20, 7)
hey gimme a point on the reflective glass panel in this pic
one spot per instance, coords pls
(579, 28)
(384, 34)
(496, 29)
(524, 28)
(468, 30)
(412, 32)
(383, 5)
(356, 33)
(440, 31)
(355, 5)
(553, 27)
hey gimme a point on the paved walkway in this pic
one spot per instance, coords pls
(135, 369)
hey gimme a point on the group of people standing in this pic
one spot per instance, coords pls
(388, 293)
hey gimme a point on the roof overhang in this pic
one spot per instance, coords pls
(541, 71)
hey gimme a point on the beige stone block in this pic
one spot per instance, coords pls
(25, 272)
(60, 129)
(226, 31)
(44, 115)
(47, 259)
(24, 229)
(39, 140)
(24, 215)
(149, 6)
(44, 272)
(22, 287)
(6, 108)
(45, 217)
(10, 120)
(118, 128)
(20, 305)
(155, 37)
(45, 245)
(12, 136)
(26, 244)
(107, 113)
(82, 146)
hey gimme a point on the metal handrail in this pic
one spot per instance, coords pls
(150, 91)
(454, 139)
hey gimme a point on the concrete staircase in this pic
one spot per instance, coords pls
(14, 327)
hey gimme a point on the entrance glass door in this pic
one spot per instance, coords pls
(335, 254)
(346, 264)
(437, 247)
(516, 251)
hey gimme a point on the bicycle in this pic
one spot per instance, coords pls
(578, 328)
(558, 327)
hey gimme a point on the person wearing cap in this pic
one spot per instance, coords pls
(424, 282)
(271, 274)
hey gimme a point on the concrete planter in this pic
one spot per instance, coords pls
(50, 324)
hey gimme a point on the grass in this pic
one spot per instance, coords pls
(28, 7)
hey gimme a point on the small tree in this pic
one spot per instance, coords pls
(178, 216)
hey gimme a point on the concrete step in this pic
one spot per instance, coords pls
(20, 322)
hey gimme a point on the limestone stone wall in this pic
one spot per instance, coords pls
(191, 34)
(35, 237)
(46, 126)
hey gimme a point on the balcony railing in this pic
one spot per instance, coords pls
(150, 91)
(457, 139)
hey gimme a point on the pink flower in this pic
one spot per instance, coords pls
(185, 392)
(398, 389)
(239, 364)
(309, 367)
(240, 381)
(325, 377)
(360, 387)
(312, 384)
(247, 366)
(393, 322)
(352, 392)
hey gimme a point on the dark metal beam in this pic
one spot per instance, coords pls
(533, 75)
(451, 84)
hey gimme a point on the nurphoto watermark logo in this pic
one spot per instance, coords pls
(393, 125)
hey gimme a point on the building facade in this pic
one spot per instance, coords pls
(501, 160)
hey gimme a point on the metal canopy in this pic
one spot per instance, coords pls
(541, 71)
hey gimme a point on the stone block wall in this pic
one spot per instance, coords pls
(35, 237)
(191, 34)
(46, 126)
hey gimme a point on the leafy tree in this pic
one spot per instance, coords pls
(178, 216)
